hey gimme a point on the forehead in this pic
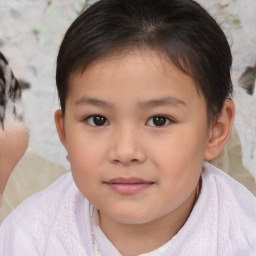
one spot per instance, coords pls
(140, 74)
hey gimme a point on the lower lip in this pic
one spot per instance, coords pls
(129, 189)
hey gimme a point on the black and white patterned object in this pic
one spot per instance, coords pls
(10, 93)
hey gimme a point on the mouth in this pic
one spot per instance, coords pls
(128, 186)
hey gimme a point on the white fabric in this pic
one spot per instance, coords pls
(32, 174)
(103, 244)
(223, 222)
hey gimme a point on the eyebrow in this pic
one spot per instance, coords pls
(93, 101)
(166, 101)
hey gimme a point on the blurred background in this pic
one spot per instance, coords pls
(31, 32)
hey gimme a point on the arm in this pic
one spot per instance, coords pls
(13, 133)
(13, 144)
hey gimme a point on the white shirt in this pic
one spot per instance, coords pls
(103, 247)
(52, 222)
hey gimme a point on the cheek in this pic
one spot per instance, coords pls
(180, 159)
(85, 157)
(180, 168)
(83, 149)
(84, 170)
(180, 150)
(84, 160)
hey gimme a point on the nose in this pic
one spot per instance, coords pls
(126, 147)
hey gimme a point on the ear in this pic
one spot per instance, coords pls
(59, 122)
(220, 131)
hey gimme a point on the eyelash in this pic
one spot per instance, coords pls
(164, 118)
(87, 119)
(103, 120)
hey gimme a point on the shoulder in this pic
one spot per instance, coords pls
(227, 186)
(223, 220)
(46, 201)
(34, 218)
(234, 207)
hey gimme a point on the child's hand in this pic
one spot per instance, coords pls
(13, 144)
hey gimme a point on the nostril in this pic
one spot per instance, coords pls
(126, 152)
(132, 160)
(126, 161)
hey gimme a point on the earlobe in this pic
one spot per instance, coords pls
(220, 131)
(59, 122)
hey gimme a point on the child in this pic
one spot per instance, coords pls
(145, 90)
(13, 132)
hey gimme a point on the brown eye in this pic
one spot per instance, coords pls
(158, 121)
(97, 120)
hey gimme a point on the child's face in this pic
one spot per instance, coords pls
(136, 134)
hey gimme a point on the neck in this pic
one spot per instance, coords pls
(137, 239)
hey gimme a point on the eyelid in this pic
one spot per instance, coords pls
(169, 119)
(86, 119)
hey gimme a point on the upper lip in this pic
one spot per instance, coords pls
(130, 180)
